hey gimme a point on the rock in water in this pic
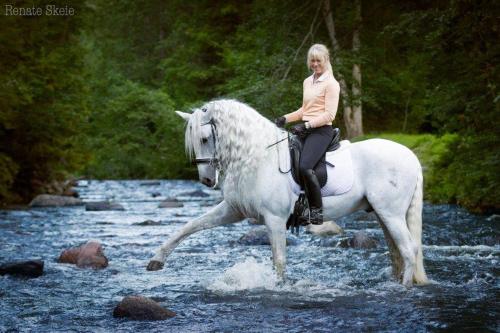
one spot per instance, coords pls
(196, 193)
(151, 183)
(141, 308)
(30, 268)
(360, 240)
(49, 200)
(89, 255)
(171, 203)
(259, 236)
(148, 223)
(103, 205)
(256, 236)
(328, 228)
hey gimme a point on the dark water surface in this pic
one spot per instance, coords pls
(216, 284)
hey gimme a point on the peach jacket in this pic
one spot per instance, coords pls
(319, 103)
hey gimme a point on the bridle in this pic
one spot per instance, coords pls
(213, 161)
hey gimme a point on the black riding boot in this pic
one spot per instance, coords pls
(313, 193)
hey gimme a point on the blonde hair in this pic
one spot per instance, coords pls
(319, 51)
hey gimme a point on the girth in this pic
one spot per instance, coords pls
(296, 146)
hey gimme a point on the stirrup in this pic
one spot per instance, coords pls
(314, 216)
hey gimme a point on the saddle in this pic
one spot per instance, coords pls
(296, 145)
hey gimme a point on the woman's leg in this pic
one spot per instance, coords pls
(315, 146)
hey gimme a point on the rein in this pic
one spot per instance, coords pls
(215, 161)
(278, 150)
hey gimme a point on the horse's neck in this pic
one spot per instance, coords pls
(269, 159)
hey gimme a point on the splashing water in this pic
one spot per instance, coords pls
(248, 274)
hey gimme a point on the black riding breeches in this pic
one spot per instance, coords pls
(315, 145)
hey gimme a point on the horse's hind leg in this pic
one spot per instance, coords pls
(396, 259)
(398, 236)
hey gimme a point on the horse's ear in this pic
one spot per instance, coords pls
(184, 115)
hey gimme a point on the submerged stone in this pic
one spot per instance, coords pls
(148, 223)
(328, 228)
(103, 205)
(360, 240)
(50, 200)
(196, 193)
(151, 183)
(141, 308)
(30, 268)
(259, 236)
(170, 203)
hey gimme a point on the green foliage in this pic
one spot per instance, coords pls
(467, 174)
(42, 100)
(457, 169)
(136, 134)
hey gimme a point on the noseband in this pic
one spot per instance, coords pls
(213, 161)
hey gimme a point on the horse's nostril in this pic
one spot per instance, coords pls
(206, 181)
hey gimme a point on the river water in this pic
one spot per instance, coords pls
(216, 284)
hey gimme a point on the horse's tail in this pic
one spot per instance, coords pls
(414, 223)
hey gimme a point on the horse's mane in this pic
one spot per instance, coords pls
(242, 137)
(242, 133)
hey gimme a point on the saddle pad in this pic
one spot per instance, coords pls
(340, 177)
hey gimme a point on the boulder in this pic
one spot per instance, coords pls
(360, 240)
(89, 255)
(71, 192)
(328, 228)
(196, 193)
(30, 268)
(170, 203)
(148, 223)
(50, 200)
(141, 308)
(258, 236)
(151, 183)
(103, 205)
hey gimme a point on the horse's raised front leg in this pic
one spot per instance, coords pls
(277, 235)
(219, 215)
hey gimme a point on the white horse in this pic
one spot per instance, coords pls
(230, 138)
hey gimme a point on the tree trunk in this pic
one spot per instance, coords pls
(357, 107)
(352, 112)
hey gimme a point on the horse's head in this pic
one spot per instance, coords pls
(201, 136)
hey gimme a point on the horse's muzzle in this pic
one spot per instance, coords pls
(207, 182)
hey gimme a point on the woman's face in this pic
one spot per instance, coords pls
(317, 65)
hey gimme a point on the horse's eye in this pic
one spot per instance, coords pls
(204, 109)
(204, 140)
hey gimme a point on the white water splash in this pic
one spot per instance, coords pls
(248, 274)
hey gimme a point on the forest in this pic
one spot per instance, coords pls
(92, 94)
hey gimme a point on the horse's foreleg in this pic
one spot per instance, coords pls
(219, 215)
(277, 235)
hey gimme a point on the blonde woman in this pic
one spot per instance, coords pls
(319, 107)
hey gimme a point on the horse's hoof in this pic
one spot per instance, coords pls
(154, 265)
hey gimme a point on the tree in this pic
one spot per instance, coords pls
(351, 98)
